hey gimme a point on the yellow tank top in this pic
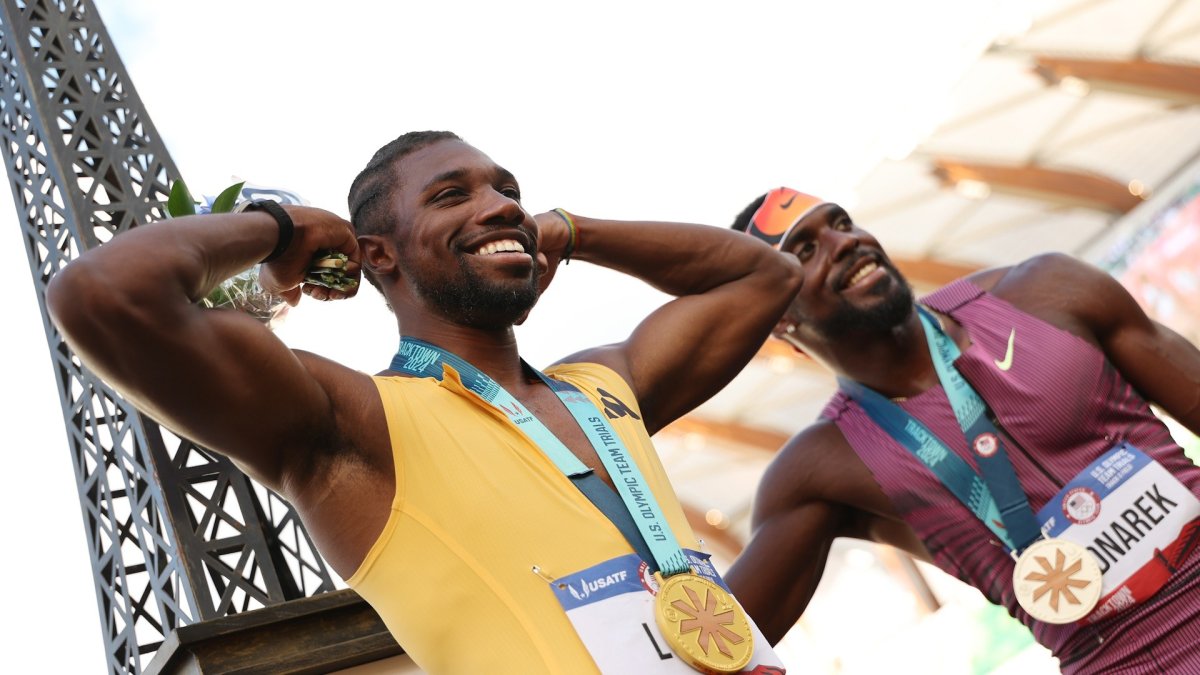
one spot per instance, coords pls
(477, 507)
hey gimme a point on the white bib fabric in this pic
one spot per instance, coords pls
(611, 606)
(1130, 513)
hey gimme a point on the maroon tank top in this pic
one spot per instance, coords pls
(1061, 404)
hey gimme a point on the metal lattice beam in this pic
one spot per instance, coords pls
(176, 533)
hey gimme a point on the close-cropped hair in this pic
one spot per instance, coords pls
(376, 181)
(742, 222)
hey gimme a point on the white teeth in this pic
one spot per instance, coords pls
(502, 246)
(859, 275)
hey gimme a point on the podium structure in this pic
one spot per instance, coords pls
(183, 545)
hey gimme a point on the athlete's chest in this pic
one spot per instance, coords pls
(1048, 391)
(549, 409)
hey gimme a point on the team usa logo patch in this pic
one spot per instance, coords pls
(1081, 505)
(986, 444)
(647, 578)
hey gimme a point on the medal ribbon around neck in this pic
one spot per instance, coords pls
(422, 359)
(1055, 580)
(995, 497)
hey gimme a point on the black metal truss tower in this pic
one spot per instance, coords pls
(177, 535)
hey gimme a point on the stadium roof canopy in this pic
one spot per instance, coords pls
(1066, 137)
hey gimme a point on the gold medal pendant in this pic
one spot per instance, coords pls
(703, 624)
(1057, 581)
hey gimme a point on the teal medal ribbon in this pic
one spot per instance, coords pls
(995, 497)
(642, 511)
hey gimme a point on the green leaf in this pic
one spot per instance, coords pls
(180, 202)
(228, 197)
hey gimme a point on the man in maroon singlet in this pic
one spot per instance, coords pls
(1066, 363)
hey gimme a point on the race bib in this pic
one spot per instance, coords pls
(1136, 518)
(611, 606)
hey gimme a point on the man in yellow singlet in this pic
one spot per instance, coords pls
(423, 488)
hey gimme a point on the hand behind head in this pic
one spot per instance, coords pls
(316, 232)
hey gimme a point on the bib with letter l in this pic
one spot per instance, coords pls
(611, 605)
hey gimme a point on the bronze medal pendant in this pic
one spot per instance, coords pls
(1057, 581)
(703, 624)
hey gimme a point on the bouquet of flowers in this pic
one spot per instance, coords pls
(242, 291)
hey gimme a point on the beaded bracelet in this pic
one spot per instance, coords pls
(572, 235)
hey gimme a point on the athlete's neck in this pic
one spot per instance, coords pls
(492, 351)
(896, 364)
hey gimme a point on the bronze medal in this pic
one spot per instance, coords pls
(703, 624)
(1057, 581)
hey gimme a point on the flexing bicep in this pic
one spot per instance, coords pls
(690, 348)
(217, 377)
(730, 289)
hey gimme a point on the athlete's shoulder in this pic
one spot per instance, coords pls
(818, 435)
(610, 387)
(819, 465)
(1046, 274)
(588, 373)
(812, 456)
(1058, 282)
(1031, 271)
(1062, 290)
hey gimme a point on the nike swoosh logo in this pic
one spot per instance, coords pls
(785, 205)
(1007, 362)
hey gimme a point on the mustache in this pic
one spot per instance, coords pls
(844, 276)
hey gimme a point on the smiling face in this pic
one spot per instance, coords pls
(467, 248)
(851, 289)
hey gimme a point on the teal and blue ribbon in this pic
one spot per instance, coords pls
(642, 520)
(994, 495)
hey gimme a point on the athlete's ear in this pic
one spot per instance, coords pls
(378, 255)
(788, 331)
(546, 271)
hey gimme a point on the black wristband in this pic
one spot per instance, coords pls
(286, 227)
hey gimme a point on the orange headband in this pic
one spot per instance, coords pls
(780, 210)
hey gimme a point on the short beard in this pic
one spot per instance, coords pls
(849, 322)
(478, 304)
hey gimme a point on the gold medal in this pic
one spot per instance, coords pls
(1057, 581)
(703, 624)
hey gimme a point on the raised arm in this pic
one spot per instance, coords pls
(730, 288)
(129, 310)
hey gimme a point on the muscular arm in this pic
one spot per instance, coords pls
(801, 506)
(1160, 363)
(776, 575)
(730, 291)
(128, 309)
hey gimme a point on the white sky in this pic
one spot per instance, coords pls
(669, 110)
